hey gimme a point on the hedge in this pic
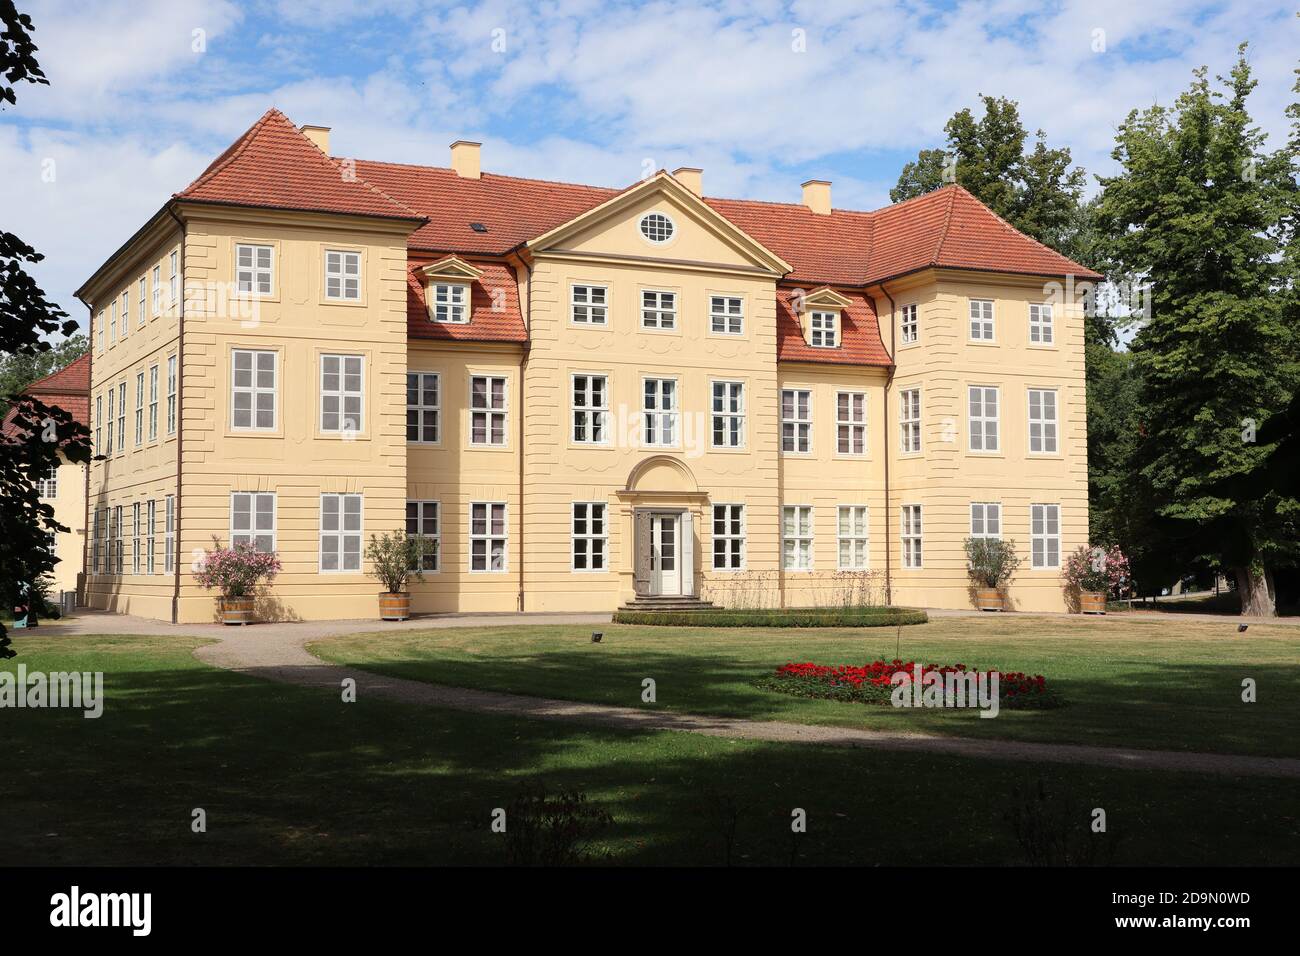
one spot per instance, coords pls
(776, 617)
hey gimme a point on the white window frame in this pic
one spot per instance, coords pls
(256, 278)
(175, 279)
(139, 409)
(730, 393)
(135, 537)
(348, 283)
(153, 402)
(984, 514)
(48, 487)
(660, 412)
(121, 418)
(253, 390)
(99, 424)
(1044, 431)
(155, 290)
(171, 395)
(342, 394)
(169, 534)
(583, 307)
(797, 426)
(591, 418)
(250, 534)
(670, 228)
(100, 327)
(851, 428)
(1042, 540)
(587, 538)
(1042, 325)
(341, 533)
(126, 313)
(449, 303)
(909, 420)
(424, 412)
(983, 432)
(733, 537)
(910, 324)
(981, 324)
(487, 536)
(858, 537)
(490, 413)
(112, 323)
(112, 406)
(421, 518)
(140, 307)
(119, 539)
(912, 536)
(664, 316)
(722, 317)
(824, 329)
(803, 537)
(151, 554)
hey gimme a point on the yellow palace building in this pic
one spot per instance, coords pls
(589, 397)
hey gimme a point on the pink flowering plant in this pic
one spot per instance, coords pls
(236, 572)
(1096, 569)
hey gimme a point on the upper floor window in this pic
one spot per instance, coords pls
(909, 419)
(112, 323)
(153, 402)
(252, 520)
(796, 420)
(657, 227)
(658, 309)
(100, 326)
(910, 325)
(487, 410)
(341, 393)
(121, 417)
(851, 423)
(726, 315)
(252, 269)
(590, 409)
(99, 424)
(126, 314)
(48, 487)
(1040, 324)
(175, 279)
(155, 278)
(112, 403)
(728, 414)
(253, 389)
(139, 304)
(450, 302)
(660, 411)
(1042, 421)
(982, 406)
(981, 320)
(342, 275)
(139, 408)
(824, 330)
(171, 394)
(590, 305)
(423, 407)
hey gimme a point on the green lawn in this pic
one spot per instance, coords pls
(291, 776)
(1154, 683)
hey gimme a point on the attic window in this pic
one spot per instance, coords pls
(478, 227)
(450, 302)
(824, 330)
(656, 227)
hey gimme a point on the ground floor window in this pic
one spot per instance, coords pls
(118, 534)
(487, 536)
(985, 519)
(424, 521)
(151, 514)
(169, 534)
(1045, 535)
(728, 537)
(590, 536)
(135, 538)
(852, 537)
(797, 537)
(340, 533)
(911, 528)
(252, 519)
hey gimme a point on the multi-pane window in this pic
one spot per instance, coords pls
(424, 523)
(726, 315)
(423, 407)
(851, 423)
(112, 403)
(911, 536)
(728, 414)
(342, 275)
(450, 302)
(48, 487)
(341, 393)
(797, 537)
(169, 534)
(728, 537)
(985, 519)
(660, 411)
(119, 539)
(487, 536)
(153, 402)
(139, 408)
(126, 313)
(151, 541)
(590, 409)
(981, 320)
(590, 305)
(139, 301)
(590, 536)
(658, 309)
(852, 537)
(96, 528)
(982, 412)
(340, 532)
(252, 520)
(175, 279)
(100, 326)
(135, 538)
(155, 289)
(1040, 324)
(252, 389)
(121, 416)
(909, 419)
(824, 330)
(112, 323)
(796, 420)
(1045, 536)
(910, 324)
(252, 269)
(171, 394)
(487, 410)
(99, 424)
(1042, 421)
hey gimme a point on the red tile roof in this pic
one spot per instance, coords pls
(860, 342)
(68, 388)
(495, 315)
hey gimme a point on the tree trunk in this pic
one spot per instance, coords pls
(1255, 586)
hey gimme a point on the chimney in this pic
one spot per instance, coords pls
(320, 135)
(817, 196)
(691, 177)
(465, 158)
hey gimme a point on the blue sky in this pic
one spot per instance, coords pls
(762, 95)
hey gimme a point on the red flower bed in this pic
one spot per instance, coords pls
(872, 683)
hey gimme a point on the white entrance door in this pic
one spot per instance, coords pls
(665, 554)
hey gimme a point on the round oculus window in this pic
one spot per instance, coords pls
(657, 227)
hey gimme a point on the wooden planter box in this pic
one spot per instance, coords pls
(1092, 602)
(237, 610)
(394, 607)
(989, 599)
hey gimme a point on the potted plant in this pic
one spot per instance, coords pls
(990, 562)
(1091, 573)
(236, 573)
(394, 557)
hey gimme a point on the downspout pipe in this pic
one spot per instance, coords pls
(523, 368)
(889, 521)
(180, 424)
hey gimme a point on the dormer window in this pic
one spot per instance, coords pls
(447, 289)
(450, 302)
(823, 328)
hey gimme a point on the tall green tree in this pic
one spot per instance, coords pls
(1198, 210)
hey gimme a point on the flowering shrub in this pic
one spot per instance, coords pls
(236, 572)
(1096, 569)
(871, 683)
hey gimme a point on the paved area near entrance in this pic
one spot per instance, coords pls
(277, 652)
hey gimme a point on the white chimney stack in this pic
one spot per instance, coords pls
(817, 196)
(320, 135)
(465, 159)
(691, 177)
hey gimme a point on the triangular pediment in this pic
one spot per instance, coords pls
(452, 269)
